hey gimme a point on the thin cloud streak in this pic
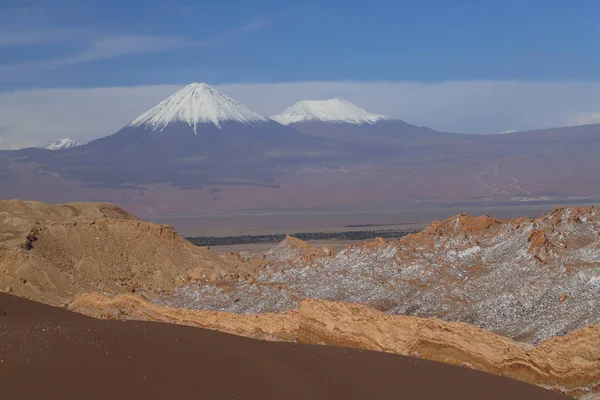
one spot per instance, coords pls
(37, 37)
(251, 26)
(105, 48)
(101, 47)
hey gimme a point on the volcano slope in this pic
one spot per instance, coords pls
(52, 253)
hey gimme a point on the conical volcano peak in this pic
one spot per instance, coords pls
(332, 110)
(197, 103)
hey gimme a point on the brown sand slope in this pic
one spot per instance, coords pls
(52, 253)
(54, 354)
(570, 364)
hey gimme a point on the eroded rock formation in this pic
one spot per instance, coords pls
(528, 279)
(52, 253)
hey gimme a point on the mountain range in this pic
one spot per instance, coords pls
(200, 149)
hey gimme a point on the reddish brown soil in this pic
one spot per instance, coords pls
(50, 353)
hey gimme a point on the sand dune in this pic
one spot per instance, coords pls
(568, 364)
(51, 353)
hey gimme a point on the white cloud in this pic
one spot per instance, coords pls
(39, 116)
(585, 119)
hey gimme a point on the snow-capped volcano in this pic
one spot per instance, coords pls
(197, 103)
(61, 144)
(332, 110)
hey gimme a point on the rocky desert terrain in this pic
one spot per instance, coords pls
(528, 279)
(519, 298)
(52, 253)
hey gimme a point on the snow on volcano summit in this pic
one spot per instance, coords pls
(60, 144)
(197, 103)
(332, 110)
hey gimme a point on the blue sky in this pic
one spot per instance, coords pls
(106, 43)
(84, 68)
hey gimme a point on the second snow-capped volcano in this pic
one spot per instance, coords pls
(197, 103)
(332, 110)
